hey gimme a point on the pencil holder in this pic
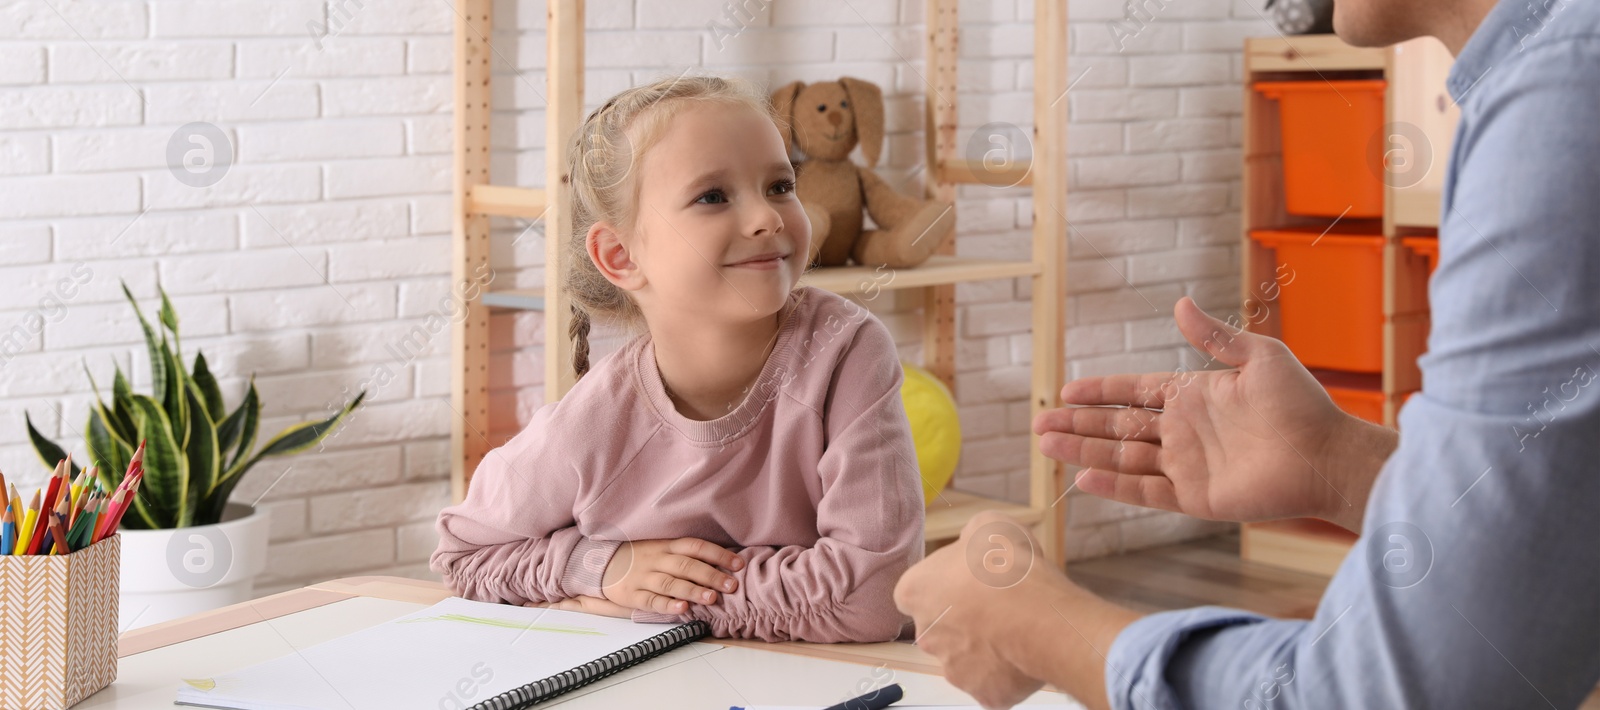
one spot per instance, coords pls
(58, 626)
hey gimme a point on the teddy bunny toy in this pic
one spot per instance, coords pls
(825, 121)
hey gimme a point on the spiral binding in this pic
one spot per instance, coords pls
(565, 681)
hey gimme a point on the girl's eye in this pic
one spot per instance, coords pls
(783, 187)
(844, 104)
(714, 197)
(821, 108)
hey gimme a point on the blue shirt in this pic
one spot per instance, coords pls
(1476, 580)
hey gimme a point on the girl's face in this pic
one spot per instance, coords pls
(718, 231)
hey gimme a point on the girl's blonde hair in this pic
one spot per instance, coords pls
(605, 153)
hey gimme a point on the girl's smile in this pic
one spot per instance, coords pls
(769, 261)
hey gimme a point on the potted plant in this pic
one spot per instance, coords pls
(185, 548)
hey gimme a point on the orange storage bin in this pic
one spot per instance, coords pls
(1363, 403)
(1427, 248)
(1357, 395)
(1330, 296)
(1330, 161)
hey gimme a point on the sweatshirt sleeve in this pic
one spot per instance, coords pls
(870, 520)
(514, 539)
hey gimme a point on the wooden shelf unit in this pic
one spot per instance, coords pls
(476, 198)
(1420, 119)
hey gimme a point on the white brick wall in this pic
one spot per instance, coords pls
(327, 239)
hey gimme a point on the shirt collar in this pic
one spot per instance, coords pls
(1503, 33)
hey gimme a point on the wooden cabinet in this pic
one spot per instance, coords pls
(1414, 142)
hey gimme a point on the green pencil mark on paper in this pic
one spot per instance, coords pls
(508, 624)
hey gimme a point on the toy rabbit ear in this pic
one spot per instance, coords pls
(866, 100)
(783, 108)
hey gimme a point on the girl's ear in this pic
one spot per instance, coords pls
(611, 257)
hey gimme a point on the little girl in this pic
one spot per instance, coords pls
(746, 460)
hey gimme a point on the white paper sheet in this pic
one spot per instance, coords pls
(449, 656)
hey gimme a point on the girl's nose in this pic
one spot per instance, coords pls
(765, 222)
(835, 118)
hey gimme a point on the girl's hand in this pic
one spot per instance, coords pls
(665, 575)
(587, 605)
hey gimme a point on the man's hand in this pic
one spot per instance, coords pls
(1002, 620)
(664, 576)
(1259, 442)
(960, 617)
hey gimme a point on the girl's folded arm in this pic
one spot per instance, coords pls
(870, 520)
(514, 540)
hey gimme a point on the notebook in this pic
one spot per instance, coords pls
(454, 655)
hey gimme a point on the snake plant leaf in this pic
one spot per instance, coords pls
(194, 456)
(111, 469)
(122, 408)
(169, 317)
(296, 438)
(211, 394)
(241, 425)
(48, 451)
(105, 452)
(158, 361)
(205, 460)
(176, 401)
(166, 468)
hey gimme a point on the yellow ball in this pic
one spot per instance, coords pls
(935, 427)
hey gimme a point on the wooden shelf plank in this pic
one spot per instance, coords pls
(522, 299)
(950, 512)
(1309, 53)
(1304, 545)
(1415, 208)
(967, 172)
(938, 270)
(503, 201)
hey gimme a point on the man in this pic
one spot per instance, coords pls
(1476, 580)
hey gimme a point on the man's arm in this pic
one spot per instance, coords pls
(1474, 582)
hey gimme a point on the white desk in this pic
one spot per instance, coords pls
(711, 675)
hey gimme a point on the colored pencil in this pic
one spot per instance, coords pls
(76, 490)
(38, 522)
(76, 531)
(113, 509)
(21, 513)
(81, 492)
(94, 522)
(5, 500)
(56, 543)
(25, 533)
(127, 502)
(91, 520)
(46, 504)
(63, 467)
(58, 535)
(8, 529)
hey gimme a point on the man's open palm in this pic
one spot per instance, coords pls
(1244, 444)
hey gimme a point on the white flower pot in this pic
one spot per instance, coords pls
(168, 574)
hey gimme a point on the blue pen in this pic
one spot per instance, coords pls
(872, 700)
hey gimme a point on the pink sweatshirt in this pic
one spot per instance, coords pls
(813, 480)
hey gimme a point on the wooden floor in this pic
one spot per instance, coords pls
(1203, 572)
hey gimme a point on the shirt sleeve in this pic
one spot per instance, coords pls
(870, 520)
(514, 539)
(1474, 581)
